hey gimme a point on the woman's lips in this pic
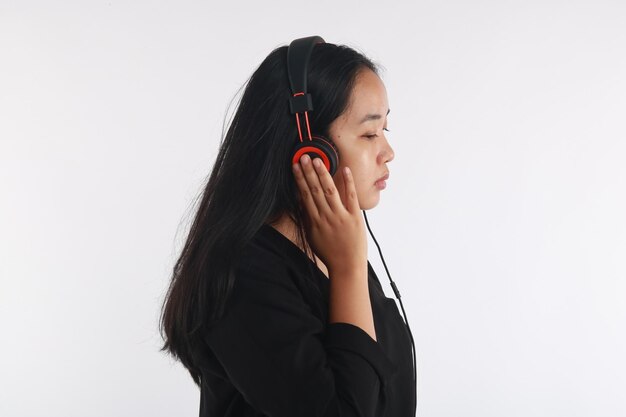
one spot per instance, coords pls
(381, 183)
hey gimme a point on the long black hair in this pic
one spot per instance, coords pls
(251, 184)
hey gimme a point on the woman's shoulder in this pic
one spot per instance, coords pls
(268, 241)
(265, 246)
(271, 260)
(270, 252)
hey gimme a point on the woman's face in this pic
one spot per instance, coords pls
(359, 134)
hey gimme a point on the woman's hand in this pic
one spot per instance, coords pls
(335, 226)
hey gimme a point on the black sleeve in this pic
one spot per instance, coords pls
(278, 356)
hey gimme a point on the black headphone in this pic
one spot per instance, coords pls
(301, 102)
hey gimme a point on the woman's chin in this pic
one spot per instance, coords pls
(370, 203)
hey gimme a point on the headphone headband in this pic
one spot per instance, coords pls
(301, 103)
(298, 55)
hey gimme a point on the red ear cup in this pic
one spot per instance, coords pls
(319, 147)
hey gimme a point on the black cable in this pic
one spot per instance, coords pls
(397, 293)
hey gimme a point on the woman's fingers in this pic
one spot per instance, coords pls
(314, 189)
(305, 193)
(352, 201)
(318, 186)
(329, 189)
(324, 190)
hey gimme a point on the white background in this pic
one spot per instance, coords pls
(503, 221)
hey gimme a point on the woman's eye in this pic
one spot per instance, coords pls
(374, 135)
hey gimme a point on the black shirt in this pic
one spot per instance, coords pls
(274, 353)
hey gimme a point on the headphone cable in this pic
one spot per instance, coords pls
(397, 293)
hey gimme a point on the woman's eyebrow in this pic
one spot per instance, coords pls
(369, 117)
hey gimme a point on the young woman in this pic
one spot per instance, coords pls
(273, 307)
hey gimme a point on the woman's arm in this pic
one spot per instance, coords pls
(284, 360)
(337, 235)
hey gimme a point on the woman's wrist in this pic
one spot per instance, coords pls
(356, 270)
(349, 301)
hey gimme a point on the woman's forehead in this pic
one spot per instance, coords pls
(368, 101)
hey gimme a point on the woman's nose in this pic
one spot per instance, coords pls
(387, 154)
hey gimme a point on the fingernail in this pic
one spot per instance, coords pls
(305, 159)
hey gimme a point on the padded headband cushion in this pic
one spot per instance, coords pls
(298, 56)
